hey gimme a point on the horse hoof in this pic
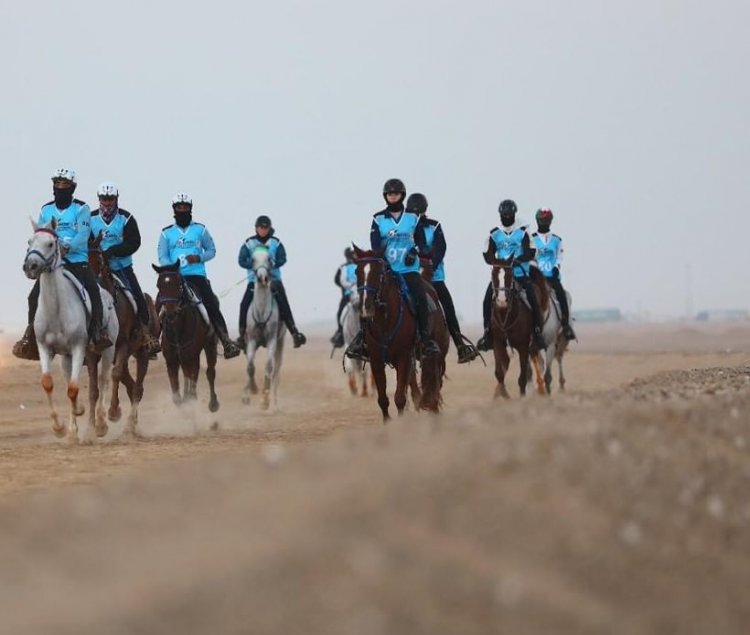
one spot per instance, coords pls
(214, 426)
(101, 430)
(213, 405)
(80, 411)
(59, 432)
(114, 415)
(246, 401)
(253, 390)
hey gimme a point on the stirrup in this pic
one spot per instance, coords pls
(99, 343)
(338, 339)
(467, 353)
(230, 348)
(26, 348)
(299, 339)
(568, 332)
(485, 342)
(429, 347)
(356, 348)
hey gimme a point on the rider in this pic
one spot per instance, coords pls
(120, 240)
(73, 219)
(191, 245)
(549, 252)
(264, 235)
(346, 279)
(399, 235)
(435, 244)
(511, 241)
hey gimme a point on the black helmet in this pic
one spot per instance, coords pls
(507, 207)
(416, 203)
(263, 221)
(544, 216)
(349, 254)
(394, 186)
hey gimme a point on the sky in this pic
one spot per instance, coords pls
(629, 120)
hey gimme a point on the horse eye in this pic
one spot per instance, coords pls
(50, 244)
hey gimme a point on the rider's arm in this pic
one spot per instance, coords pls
(438, 245)
(419, 238)
(489, 250)
(279, 259)
(163, 250)
(375, 241)
(208, 246)
(245, 257)
(337, 278)
(131, 240)
(81, 238)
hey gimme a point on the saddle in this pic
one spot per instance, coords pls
(122, 285)
(82, 293)
(195, 300)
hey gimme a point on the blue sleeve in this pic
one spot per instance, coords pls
(207, 243)
(245, 257)
(80, 242)
(438, 246)
(280, 258)
(375, 242)
(162, 251)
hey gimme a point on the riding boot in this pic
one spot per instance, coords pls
(285, 313)
(149, 343)
(357, 348)
(230, 348)
(485, 343)
(298, 338)
(26, 347)
(338, 338)
(429, 347)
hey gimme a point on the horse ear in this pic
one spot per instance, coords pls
(156, 268)
(53, 224)
(34, 224)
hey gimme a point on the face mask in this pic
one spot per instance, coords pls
(63, 197)
(183, 219)
(507, 219)
(542, 228)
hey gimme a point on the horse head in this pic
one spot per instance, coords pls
(98, 261)
(370, 275)
(43, 253)
(262, 265)
(170, 287)
(503, 289)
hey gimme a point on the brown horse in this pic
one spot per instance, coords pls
(129, 340)
(513, 324)
(433, 370)
(391, 334)
(184, 335)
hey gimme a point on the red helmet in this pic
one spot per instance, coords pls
(544, 215)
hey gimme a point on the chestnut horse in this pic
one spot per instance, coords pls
(184, 335)
(513, 325)
(129, 340)
(391, 334)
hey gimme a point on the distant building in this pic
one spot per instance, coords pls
(597, 315)
(722, 315)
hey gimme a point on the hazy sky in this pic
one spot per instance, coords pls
(628, 119)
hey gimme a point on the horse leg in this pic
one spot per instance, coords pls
(72, 368)
(403, 375)
(141, 368)
(270, 371)
(360, 369)
(48, 385)
(416, 391)
(105, 372)
(502, 362)
(173, 371)
(251, 388)
(276, 380)
(211, 355)
(562, 374)
(535, 360)
(523, 377)
(378, 374)
(119, 370)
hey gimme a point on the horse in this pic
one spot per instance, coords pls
(184, 334)
(512, 325)
(350, 320)
(129, 340)
(61, 328)
(264, 328)
(391, 335)
(556, 342)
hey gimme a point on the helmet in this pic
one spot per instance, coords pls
(394, 186)
(182, 198)
(107, 189)
(64, 173)
(507, 207)
(263, 221)
(416, 203)
(544, 215)
(348, 253)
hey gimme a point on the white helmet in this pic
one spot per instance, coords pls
(107, 189)
(64, 173)
(182, 198)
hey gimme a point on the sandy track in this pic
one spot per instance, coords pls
(621, 507)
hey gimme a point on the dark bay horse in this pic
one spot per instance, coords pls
(129, 340)
(391, 334)
(184, 335)
(513, 324)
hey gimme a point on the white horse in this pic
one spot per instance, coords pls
(61, 328)
(264, 328)
(556, 342)
(350, 319)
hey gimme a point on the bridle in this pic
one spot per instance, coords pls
(169, 299)
(511, 295)
(50, 263)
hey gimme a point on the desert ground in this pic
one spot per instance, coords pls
(620, 506)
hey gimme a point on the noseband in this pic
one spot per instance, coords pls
(50, 264)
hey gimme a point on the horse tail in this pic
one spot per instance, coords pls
(431, 383)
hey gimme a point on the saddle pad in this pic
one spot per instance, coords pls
(80, 290)
(197, 302)
(120, 283)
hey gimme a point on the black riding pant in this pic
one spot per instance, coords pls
(202, 287)
(86, 277)
(415, 283)
(562, 298)
(128, 276)
(528, 287)
(342, 305)
(285, 311)
(446, 302)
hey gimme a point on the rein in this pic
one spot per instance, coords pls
(262, 323)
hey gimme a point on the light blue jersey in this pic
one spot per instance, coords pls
(348, 278)
(275, 249)
(397, 236)
(177, 243)
(438, 274)
(509, 244)
(73, 228)
(112, 234)
(548, 252)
